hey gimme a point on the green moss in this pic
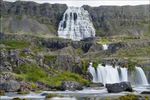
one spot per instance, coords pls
(51, 95)
(34, 73)
(50, 58)
(85, 64)
(104, 40)
(79, 51)
(129, 97)
(19, 17)
(133, 97)
(33, 85)
(131, 65)
(67, 76)
(15, 44)
(134, 52)
(16, 99)
(2, 93)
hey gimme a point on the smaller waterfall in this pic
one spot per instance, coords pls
(124, 74)
(107, 74)
(140, 76)
(110, 74)
(105, 47)
(93, 72)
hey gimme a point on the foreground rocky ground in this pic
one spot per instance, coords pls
(30, 63)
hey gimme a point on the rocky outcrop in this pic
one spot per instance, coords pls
(72, 86)
(10, 86)
(119, 87)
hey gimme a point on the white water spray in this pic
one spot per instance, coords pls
(124, 74)
(140, 76)
(93, 72)
(76, 24)
(105, 47)
(107, 74)
(110, 75)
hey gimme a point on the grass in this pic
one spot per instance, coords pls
(50, 57)
(15, 44)
(34, 73)
(134, 52)
(133, 97)
(103, 41)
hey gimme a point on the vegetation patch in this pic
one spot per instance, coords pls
(34, 73)
(104, 40)
(68, 76)
(134, 52)
(131, 65)
(15, 44)
(133, 97)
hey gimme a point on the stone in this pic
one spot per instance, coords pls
(10, 86)
(119, 87)
(70, 85)
(145, 92)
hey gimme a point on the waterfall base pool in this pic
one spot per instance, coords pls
(85, 94)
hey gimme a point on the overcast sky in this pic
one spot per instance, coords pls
(92, 2)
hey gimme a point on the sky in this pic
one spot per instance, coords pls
(79, 3)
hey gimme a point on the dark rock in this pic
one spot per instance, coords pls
(88, 76)
(5, 67)
(25, 87)
(119, 87)
(72, 86)
(10, 86)
(113, 48)
(145, 92)
(42, 86)
(6, 77)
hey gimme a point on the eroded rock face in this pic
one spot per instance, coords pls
(72, 86)
(119, 87)
(118, 20)
(10, 86)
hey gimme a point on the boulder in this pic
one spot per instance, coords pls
(70, 85)
(25, 87)
(145, 92)
(119, 87)
(10, 86)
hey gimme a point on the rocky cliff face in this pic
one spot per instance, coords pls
(132, 20)
(30, 17)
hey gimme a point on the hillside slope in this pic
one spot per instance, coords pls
(43, 19)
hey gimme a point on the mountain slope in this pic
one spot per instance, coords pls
(34, 18)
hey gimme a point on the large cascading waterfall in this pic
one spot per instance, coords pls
(140, 76)
(76, 24)
(110, 75)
